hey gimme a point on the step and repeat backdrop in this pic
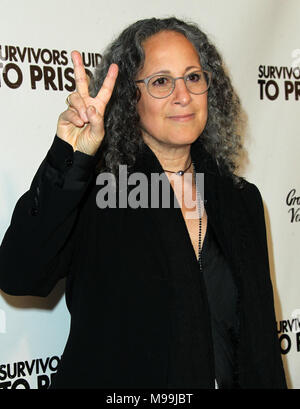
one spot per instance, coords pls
(260, 43)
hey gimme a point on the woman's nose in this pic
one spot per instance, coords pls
(181, 94)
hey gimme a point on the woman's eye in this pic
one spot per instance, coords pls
(194, 77)
(160, 81)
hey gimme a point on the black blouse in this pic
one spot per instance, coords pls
(222, 299)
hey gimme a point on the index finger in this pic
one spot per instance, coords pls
(81, 80)
(106, 90)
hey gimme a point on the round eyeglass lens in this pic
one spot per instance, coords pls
(197, 82)
(160, 86)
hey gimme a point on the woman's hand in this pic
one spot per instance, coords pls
(82, 124)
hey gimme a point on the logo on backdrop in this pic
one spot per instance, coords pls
(280, 82)
(40, 68)
(293, 203)
(24, 374)
(289, 331)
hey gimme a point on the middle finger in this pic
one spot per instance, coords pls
(106, 90)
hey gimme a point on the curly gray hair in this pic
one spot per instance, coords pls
(123, 138)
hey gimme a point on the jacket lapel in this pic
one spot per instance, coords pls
(171, 228)
(219, 207)
(218, 199)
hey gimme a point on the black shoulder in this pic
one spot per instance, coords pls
(252, 199)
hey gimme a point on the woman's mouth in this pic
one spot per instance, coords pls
(181, 118)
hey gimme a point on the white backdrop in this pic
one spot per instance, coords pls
(260, 43)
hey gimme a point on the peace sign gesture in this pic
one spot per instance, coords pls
(82, 124)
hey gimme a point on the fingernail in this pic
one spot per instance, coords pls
(112, 69)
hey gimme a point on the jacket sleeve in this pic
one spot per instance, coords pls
(274, 376)
(36, 250)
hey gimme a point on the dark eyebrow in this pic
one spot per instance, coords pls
(169, 72)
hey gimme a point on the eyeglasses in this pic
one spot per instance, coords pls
(161, 85)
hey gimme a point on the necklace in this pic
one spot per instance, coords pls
(179, 172)
(200, 206)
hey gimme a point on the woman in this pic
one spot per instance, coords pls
(157, 298)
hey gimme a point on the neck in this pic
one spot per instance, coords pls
(172, 158)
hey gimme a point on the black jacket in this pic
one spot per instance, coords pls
(120, 263)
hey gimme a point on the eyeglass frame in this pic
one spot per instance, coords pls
(147, 79)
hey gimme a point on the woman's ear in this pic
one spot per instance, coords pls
(138, 94)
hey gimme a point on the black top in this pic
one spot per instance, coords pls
(222, 298)
(126, 318)
(221, 293)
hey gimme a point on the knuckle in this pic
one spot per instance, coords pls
(74, 95)
(76, 101)
(63, 115)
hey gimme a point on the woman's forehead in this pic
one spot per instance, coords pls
(168, 51)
